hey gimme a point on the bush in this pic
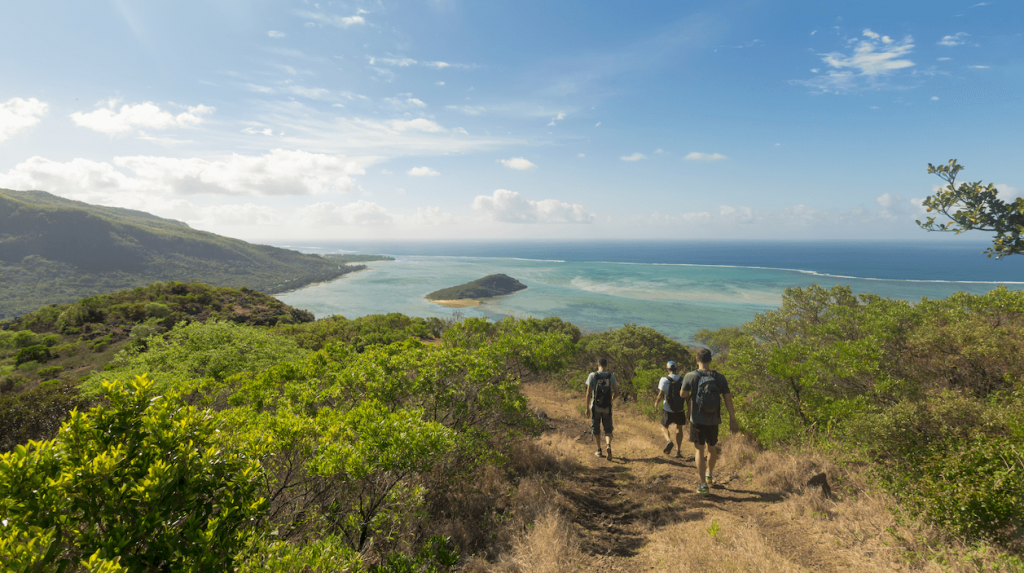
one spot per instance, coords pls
(36, 353)
(139, 481)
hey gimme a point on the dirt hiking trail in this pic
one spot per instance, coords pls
(640, 510)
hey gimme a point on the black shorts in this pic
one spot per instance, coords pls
(673, 418)
(597, 419)
(701, 434)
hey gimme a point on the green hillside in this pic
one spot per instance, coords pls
(55, 250)
(491, 285)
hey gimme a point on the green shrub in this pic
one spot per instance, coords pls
(139, 481)
(37, 353)
(49, 372)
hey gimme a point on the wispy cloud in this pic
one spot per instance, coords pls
(423, 172)
(957, 39)
(144, 115)
(337, 21)
(418, 124)
(404, 104)
(17, 114)
(510, 207)
(467, 109)
(275, 34)
(635, 157)
(518, 163)
(872, 59)
(330, 215)
(980, 67)
(697, 156)
(559, 117)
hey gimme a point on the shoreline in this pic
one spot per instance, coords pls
(459, 303)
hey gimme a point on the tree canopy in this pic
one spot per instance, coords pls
(972, 207)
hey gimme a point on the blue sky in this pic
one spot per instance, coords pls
(280, 121)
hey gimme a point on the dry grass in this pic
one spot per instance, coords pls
(735, 546)
(549, 546)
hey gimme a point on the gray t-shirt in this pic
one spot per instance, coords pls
(663, 385)
(690, 385)
(592, 379)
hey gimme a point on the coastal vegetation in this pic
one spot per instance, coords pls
(54, 250)
(394, 443)
(491, 285)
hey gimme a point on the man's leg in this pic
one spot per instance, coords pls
(712, 458)
(595, 428)
(679, 437)
(597, 441)
(699, 455)
(608, 428)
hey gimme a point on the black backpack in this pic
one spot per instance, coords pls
(709, 395)
(675, 403)
(603, 390)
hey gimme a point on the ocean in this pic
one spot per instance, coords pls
(675, 287)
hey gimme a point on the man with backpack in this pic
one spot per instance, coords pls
(602, 389)
(706, 390)
(673, 411)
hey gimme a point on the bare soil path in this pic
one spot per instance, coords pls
(636, 511)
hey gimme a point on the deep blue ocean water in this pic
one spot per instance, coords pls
(674, 286)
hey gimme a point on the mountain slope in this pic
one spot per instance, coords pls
(55, 250)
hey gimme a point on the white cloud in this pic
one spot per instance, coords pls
(559, 117)
(337, 21)
(330, 215)
(598, 124)
(423, 172)
(581, 155)
(944, 59)
(871, 59)
(418, 124)
(892, 207)
(149, 115)
(254, 131)
(518, 163)
(279, 172)
(248, 214)
(1007, 192)
(510, 207)
(392, 61)
(438, 65)
(275, 34)
(17, 114)
(980, 67)
(431, 216)
(935, 98)
(404, 104)
(467, 109)
(311, 93)
(740, 214)
(697, 156)
(438, 83)
(635, 157)
(659, 150)
(957, 39)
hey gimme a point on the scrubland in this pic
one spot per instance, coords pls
(390, 443)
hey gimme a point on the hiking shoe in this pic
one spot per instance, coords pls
(668, 448)
(708, 478)
(679, 454)
(703, 489)
(599, 454)
(609, 453)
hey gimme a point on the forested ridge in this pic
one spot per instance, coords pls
(394, 443)
(57, 250)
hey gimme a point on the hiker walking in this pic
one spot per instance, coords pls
(706, 390)
(673, 410)
(602, 389)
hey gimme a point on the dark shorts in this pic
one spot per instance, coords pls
(673, 418)
(597, 419)
(701, 434)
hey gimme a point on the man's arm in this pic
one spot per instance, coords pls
(684, 390)
(734, 426)
(661, 396)
(590, 392)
